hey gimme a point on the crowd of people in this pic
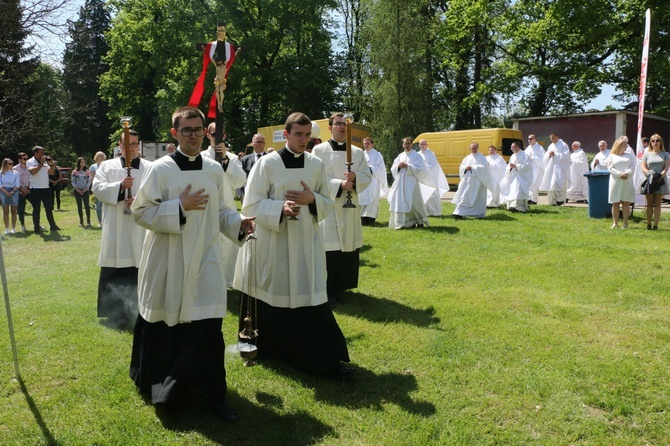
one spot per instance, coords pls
(171, 233)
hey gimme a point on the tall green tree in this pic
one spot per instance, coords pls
(88, 127)
(628, 58)
(400, 80)
(16, 68)
(49, 117)
(559, 51)
(284, 66)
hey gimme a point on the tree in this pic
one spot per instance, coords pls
(88, 126)
(16, 69)
(400, 79)
(48, 119)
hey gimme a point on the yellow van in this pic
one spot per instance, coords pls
(274, 135)
(451, 147)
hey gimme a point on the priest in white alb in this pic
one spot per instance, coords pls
(556, 171)
(515, 186)
(578, 189)
(122, 239)
(434, 203)
(498, 167)
(378, 188)
(475, 173)
(535, 152)
(412, 186)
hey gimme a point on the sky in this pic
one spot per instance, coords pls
(52, 48)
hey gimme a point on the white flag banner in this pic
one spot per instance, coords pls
(643, 83)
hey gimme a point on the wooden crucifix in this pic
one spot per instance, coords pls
(223, 55)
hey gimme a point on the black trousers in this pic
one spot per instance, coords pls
(38, 197)
(22, 208)
(83, 199)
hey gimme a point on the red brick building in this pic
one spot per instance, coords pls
(589, 128)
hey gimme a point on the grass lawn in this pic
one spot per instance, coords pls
(547, 328)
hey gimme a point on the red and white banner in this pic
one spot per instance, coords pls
(643, 83)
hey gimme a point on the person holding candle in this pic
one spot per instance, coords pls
(342, 230)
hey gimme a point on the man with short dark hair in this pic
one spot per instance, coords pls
(342, 230)
(178, 346)
(122, 239)
(294, 321)
(40, 193)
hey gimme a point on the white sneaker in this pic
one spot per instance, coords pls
(6, 231)
(12, 231)
(23, 228)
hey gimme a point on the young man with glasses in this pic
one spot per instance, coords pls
(182, 202)
(24, 187)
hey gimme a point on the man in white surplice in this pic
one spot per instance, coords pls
(122, 239)
(516, 184)
(535, 152)
(475, 173)
(579, 165)
(412, 187)
(599, 163)
(434, 203)
(556, 170)
(498, 167)
(342, 230)
(378, 188)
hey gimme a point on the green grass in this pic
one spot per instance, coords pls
(547, 328)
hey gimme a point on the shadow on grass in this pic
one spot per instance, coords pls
(260, 424)
(48, 436)
(379, 309)
(365, 389)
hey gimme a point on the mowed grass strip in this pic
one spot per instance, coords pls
(546, 328)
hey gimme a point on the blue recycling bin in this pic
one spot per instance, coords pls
(599, 206)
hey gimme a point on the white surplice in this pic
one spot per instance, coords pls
(470, 199)
(602, 158)
(556, 172)
(342, 230)
(434, 203)
(411, 189)
(498, 166)
(121, 241)
(578, 189)
(182, 275)
(515, 186)
(378, 188)
(535, 152)
(290, 258)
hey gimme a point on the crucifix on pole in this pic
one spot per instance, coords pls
(223, 55)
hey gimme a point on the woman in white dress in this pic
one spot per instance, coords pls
(621, 187)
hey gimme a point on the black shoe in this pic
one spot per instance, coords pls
(560, 203)
(531, 202)
(341, 371)
(648, 227)
(55, 228)
(457, 217)
(38, 230)
(224, 412)
(513, 210)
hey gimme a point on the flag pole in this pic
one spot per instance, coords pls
(9, 313)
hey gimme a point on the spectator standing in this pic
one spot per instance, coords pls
(655, 161)
(40, 193)
(621, 182)
(24, 187)
(81, 184)
(9, 194)
(98, 158)
(55, 183)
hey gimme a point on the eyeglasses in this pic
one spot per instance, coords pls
(259, 142)
(10, 164)
(655, 140)
(212, 134)
(134, 144)
(24, 159)
(188, 131)
(339, 124)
